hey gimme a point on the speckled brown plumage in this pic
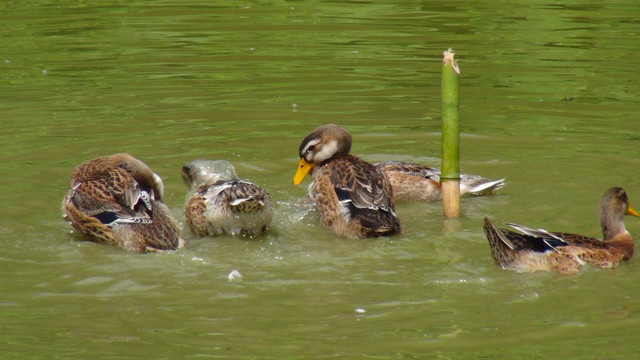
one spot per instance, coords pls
(219, 203)
(538, 249)
(416, 182)
(353, 197)
(194, 211)
(116, 200)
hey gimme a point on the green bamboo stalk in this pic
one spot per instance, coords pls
(450, 175)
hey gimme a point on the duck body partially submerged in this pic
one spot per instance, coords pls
(417, 182)
(537, 249)
(117, 200)
(353, 197)
(220, 203)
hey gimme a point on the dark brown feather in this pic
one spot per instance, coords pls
(116, 200)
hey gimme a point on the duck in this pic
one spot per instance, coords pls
(354, 198)
(417, 182)
(117, 200)
(219, 203)
(530, 250)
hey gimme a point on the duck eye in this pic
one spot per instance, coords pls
(310, 149)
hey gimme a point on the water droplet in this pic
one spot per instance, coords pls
(234, 275)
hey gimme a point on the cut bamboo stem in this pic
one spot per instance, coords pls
(450, 175)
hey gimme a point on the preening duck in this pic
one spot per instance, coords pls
(353, 197)
(117, 200)
(221, 203)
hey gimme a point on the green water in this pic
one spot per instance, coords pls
(549, 99)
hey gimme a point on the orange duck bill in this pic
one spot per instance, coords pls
(303, 169)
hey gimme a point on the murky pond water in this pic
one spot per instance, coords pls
(549, 96)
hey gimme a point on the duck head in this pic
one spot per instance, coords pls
(322, 144)
(614, 205)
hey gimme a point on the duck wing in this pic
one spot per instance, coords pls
(115, 198)
(240, 195)
(556, 239)
(362, 184)
(536, 240)
(410, 169)
(478, 185)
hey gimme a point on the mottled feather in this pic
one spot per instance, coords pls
(354, 198)
(537, 249)
(219, 203)
(117, 200)
(417, 182)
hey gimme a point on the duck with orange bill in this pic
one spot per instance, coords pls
(538, 249)
(353, 197)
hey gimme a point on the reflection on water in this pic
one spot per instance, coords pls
(548, 97)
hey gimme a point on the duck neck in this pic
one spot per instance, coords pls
(612, 228)
(616, 235)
